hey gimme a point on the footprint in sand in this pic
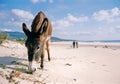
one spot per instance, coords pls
(104, 65)
(93, 62)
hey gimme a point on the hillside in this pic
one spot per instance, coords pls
(20, 35)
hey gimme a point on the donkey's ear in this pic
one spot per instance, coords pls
(25, 29)
(43, 27)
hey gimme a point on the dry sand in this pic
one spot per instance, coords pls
(91, 63)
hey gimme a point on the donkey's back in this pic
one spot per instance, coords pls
(38, 21)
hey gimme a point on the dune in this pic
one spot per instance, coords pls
(91, 63)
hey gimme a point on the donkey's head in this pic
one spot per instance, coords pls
(35, 40)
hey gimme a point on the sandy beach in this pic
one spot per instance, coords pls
(91, 63)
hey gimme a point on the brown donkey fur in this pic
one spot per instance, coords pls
(37, 38)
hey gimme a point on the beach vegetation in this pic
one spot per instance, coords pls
(3, 66)
(21, 41)
(3, 36)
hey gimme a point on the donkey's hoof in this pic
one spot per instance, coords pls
(29, 72)
(41, 66)
(48, 59)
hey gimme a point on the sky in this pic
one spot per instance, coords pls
(71, 19)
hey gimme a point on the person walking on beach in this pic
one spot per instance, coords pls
(76, 44)
(73, 44)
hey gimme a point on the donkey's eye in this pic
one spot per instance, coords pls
(38, 47)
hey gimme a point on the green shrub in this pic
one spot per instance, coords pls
(3, 36)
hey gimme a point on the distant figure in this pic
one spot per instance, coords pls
(76, 44)
(73, 44)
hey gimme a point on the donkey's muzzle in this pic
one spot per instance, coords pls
(30, 56)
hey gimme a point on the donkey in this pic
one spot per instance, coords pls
(37, 39)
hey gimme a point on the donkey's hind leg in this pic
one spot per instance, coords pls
(47, 47)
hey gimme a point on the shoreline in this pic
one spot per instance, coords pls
(112, 45)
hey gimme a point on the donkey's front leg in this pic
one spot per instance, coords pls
(42, 59)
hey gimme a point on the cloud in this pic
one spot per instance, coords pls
(106, 32)
(36, 1)
(61, 27)
(3, 14)
(23, 14)
(117, 29)
(14, 23)
(5, 29)
(103, 32)
(107, 15)
(72, 18)
(18, 17)
(14, 18)
(75, 35)
(51, 1)
(69, 21)
(62, 23)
